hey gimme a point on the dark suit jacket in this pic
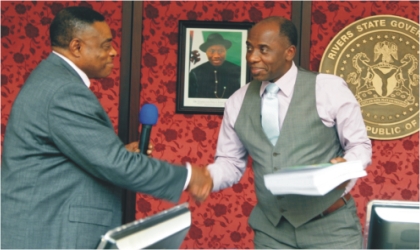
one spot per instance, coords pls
(202, 80)
(64, 168)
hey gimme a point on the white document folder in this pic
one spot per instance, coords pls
(315, 180)
(164, 230)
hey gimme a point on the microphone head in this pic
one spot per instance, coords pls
(148, 114)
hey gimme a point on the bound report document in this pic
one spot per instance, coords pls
(313, 180)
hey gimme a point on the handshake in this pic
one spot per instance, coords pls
(200, 184)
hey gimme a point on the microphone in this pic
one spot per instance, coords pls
(147, 117)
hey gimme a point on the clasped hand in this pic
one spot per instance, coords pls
(200, 184)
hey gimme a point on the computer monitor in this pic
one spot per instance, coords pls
(165, 230)
(392, 225)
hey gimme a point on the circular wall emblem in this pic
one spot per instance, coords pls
(378, 57)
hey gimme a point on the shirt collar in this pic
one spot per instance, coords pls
(286, 83)
(82, 74)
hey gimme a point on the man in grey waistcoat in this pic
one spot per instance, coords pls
(63, 167)
(318, 120)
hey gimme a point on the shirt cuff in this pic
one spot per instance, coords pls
(187, 181)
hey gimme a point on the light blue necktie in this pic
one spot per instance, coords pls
(270, 113)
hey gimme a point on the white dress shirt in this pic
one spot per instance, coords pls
(336, 105)
(82, 74)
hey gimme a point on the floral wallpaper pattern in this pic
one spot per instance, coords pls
(220, 221)
(25, 42)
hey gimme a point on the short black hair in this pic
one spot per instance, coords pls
(287, 28)
(68, 21)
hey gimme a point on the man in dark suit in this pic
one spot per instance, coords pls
(63, 167)
(216, 78)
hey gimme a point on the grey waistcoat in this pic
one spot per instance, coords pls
(303, 140)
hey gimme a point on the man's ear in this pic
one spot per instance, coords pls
(290, 52)
(75, 46)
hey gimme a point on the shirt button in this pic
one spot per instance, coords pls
(283, 210)
(275, 169)
(276, 154)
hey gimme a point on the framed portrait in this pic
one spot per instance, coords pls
(211, 64)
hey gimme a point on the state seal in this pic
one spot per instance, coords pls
(378, 57)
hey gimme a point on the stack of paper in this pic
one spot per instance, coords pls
(312, 179)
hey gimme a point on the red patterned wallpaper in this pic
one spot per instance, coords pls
(25, 42)
(221, 221)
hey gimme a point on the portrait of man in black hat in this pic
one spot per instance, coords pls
(216, 78)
